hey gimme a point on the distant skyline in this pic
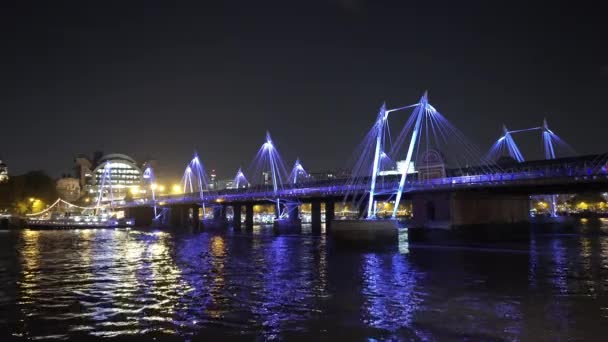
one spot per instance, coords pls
(157, 80)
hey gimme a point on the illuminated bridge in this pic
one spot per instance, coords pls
(436, 174)
(515, 184)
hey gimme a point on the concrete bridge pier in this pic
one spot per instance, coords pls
(249, 216)
(219, 220)
(362, 209)
(142, 216)
(469, 216)
(195, 212)
(219, 213)
(179, 216)
(293, 210)
(315, 212)
(291, 224)
(315, 216)
(330, 213)
(236, 216)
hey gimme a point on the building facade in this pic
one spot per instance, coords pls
(83, 170)
(68, 188)
(3, 172)
(116, 175)
(401, 166)
(113, 177)
(327, 175)
(222, 184)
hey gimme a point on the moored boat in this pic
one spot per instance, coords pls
(93, 221)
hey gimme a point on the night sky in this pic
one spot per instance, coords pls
(156, 79)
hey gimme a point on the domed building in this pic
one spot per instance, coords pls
(117, 173)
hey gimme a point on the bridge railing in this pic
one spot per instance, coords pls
(502, 178)
(342, 186)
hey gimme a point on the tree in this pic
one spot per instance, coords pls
(587, 201)
(27, 192)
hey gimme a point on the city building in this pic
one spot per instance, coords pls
(431, 165)
(3, 172)
(328, 175)
(267, 177)
(222, 184)
(118, 173)
(213, 181)
(83, 170)
(68, 188)
(112, 175)
(399, 170)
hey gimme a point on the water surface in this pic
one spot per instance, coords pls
(141, 284)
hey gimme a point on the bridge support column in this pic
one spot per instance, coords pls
(174, 216)
(236, 216)
(219, 217)
(219, 220)
(219, 213)
(249, 216)
(293, 210)
(195, 217)
(362, 209)
(179, 216)
(291, 224)
(473, 215)
(142, 216)
(330, 209)
(315, 216)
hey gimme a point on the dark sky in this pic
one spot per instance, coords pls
(160, 79)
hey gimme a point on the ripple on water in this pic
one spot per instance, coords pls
(108, 283)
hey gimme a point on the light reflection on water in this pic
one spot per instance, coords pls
(117, 283)
(389, 289)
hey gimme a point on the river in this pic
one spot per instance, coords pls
(143, 284)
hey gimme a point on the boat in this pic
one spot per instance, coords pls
(85, 221)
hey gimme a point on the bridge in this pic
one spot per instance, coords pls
(536, 181)
(516, 184)
(443, 174)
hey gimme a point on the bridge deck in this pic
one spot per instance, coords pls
(537, 182)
